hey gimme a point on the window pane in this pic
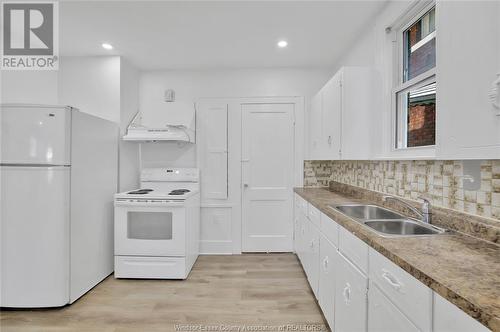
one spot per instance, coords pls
(416, 122)
(420, 46)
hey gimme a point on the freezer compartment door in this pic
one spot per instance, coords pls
(35, 135)
(34, 207)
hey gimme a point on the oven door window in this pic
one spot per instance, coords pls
(149, 225)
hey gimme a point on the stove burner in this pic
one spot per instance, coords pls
(140, 192)
(179, 192)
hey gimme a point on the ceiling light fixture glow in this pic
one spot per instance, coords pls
(107, 46)
(282, 43)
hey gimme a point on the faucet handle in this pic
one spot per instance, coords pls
(424, 198)
(426, 206)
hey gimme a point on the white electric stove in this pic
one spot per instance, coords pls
(157, 227)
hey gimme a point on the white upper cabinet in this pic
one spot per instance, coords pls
(332, 108)
(360, 101)
(468, 61)
(340, 119)
(316, 144)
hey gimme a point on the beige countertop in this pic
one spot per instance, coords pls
(462, 269)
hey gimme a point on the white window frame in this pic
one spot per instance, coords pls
(419, 9)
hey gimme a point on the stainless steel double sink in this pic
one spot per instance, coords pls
(385, 222)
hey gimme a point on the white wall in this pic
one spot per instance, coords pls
(106, 86)
(91, 84)
(29, 87)
(192, 85)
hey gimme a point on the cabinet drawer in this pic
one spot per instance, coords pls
(330, 229)
(354, 249)
(411, 296)
(150, 267)
(384, 316)
(314, 215)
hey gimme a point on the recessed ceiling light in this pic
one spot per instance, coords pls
(282, 43)
(107, 46)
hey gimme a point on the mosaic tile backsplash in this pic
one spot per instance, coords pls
(439, 181)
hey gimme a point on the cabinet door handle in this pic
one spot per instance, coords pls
(391, 280)
(329, 140)
(311, 244)
(325, 263)
(495, 93)
(347, 293)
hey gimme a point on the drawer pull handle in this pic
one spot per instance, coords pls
(347, 293)
(391, 280)
(325, 263)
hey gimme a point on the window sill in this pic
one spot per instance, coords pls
(416, 153)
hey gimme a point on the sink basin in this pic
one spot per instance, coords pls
(366, 212)
(385, 222)
(402, 227)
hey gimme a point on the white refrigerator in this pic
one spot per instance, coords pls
(58, 175)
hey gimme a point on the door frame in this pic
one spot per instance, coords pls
(233, 204)
(299, 138)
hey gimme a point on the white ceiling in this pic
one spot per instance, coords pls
(209, 34)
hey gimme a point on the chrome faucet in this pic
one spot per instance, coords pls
(425, 214)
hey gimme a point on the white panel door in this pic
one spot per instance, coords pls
(267, 177)
(35, 135)
(212, 145)
(34, 242)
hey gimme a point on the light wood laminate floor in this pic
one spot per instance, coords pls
(232, 291)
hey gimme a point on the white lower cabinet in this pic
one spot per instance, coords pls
(351, 288)
(300, 227)
(337, 265)
(383, 316)
(312, 256)
(449, 318)
(327, 270)
(412, 298)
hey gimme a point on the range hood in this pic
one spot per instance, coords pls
(170, 132)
